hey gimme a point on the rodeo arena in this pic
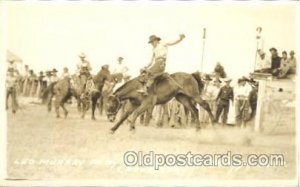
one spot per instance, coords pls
(84, 117)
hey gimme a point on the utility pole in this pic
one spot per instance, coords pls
(259, 41)
(203, 47)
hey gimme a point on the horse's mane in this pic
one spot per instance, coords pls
(125, 85)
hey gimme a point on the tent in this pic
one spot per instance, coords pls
(11, 56)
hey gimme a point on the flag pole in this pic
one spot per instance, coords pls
(203, 46)
(258, 37)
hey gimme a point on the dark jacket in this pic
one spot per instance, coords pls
(275, 62)
(225, 93)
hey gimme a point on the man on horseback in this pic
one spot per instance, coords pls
(120, 71)
(158, 62)
(83, 68)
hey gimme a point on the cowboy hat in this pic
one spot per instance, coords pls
(227, 80)
(54, 70)
(273, 49)
(82, 55)
(153, 38)
(106, 66)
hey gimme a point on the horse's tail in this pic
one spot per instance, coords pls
(47, 91)
(197, 77)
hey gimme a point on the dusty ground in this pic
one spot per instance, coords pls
(35, 135)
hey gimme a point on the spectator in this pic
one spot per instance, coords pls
(25, 75)
(284, 68)
(275, 60)
(292, 60)
(253, 99)
(12, 64)
(263, 65)
(224, 96)
(241, 102)
(54, 77)
(47, 78)
(11, 83)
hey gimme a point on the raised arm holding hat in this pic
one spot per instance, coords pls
(158, 62)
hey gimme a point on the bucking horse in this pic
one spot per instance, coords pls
(186, 88)
(62, 92)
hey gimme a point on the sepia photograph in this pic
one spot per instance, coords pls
(155, 93)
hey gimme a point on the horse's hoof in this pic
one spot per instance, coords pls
(82, 116)
(111, 131)
(93, 118)
(66, 114)
(198, 129)
(132, 129)
(57, 116)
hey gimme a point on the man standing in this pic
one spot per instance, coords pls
(253, 99)
(26, 75)
(241, 103)
(54, 77)
(275, 60)
(158, 62)
(224, 96)
(11, 83)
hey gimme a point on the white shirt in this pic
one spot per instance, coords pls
(160, 51)
(83, 64)
(47, 79)
(263, 63)
(242, 91)
(120, 68)
(54, 78)
(65, 75)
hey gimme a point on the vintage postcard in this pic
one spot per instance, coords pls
(159, 93)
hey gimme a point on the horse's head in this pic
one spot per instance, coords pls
(112, 107)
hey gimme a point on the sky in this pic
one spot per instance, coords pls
(52, 35)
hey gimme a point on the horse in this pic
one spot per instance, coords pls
(62, 92)
(93, 93)
(107, 90)
(78, 88)
(186, 88)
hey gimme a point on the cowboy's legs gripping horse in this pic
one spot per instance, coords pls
(184, 87)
